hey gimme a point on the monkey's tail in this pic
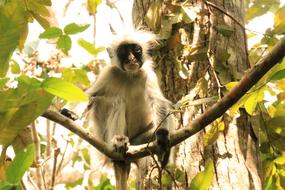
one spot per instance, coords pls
(122, 171)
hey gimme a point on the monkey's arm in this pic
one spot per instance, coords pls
(162, 120)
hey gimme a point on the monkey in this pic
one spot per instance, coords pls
(126, 102)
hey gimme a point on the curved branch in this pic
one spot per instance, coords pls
(214, 112)
(218, 109)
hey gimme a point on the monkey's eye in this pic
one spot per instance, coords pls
(137, 49)
(122, 52)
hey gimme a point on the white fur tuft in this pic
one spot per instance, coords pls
(143, 38)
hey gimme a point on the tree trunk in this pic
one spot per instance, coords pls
(221, 57)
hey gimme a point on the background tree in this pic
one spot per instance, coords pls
(202, 50)
(209, 50)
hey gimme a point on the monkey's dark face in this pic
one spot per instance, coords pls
(130, 56)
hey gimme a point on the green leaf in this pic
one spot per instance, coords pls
(86, 155)
(64, 89)
(3, 82)
(41, 20)
(52, 32)
(166, 179)
(74, 28)
(104, 184)
(224, 29)
(15, 68)
(6, 186)
(16, 105)
(203, 180)
(76, 76)
(12, 22)
(45, 2)
(279, 24)
(20, 164)
(256, 10)
(179, 175)
(251, 103)
(276, 125)
(64, 43)
(278, 75)
(35, 6)
(89, 47)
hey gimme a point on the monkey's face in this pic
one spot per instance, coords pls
(130, 56)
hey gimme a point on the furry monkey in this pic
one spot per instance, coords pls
(127, 103)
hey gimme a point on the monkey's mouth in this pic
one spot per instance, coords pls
(133, 66)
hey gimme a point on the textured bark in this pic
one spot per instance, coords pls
(235, 151)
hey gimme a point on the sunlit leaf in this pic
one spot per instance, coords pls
(22, 161)
(251, 103)
(89, 47)
(64, 89)
(16, 105)
(257, 10)
(231, 85)
(36, 7)
(86, 155)
(15, 68)
(203, 180)
(166, 179)
(153, 15)
(76, 76)
(280, 160)
(52, 32)
(92, 5)
(74, 28)
(41, 20)
(64, 43)
(279, 24)
(23, 36)
(12, 22)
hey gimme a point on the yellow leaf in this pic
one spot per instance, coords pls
(23, 36)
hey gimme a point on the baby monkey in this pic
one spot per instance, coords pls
(127, 103)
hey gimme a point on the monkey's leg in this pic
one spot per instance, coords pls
(162, 140)
(122, 168)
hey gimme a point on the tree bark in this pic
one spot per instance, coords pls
(235, 154)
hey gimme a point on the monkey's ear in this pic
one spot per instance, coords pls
(110, 52)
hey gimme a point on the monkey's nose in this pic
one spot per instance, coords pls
(131, 57)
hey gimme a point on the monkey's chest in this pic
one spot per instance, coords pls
(138, 116)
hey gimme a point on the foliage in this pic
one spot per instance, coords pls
(64, 40)
(21, 90)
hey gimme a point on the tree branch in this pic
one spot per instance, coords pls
(218, 109)
(214, 112)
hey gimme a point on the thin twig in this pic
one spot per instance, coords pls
(62, 158)
(37, 154)
(56, 153)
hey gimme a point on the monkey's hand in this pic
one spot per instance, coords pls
(162, 141)
(120, 144)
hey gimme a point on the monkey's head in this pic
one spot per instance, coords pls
(129, 51)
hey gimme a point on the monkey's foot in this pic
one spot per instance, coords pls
(162, 140)
(162, 137)
(120, 143)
